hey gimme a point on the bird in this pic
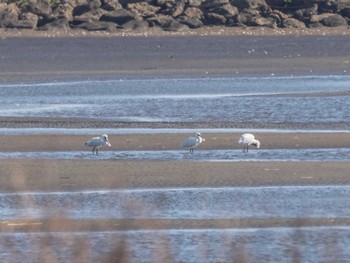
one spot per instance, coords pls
(247, 140)
(97, 142)
(192, 142)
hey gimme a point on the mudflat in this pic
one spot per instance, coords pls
(60, 57)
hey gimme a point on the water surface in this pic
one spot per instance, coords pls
(185, 100)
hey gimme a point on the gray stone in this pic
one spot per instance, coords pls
(120, 16)
(293, 23)
(40, 7)
(334, 21)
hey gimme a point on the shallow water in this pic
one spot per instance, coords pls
(306, 244)
(256, 155)
(202, 100)
(177, 203)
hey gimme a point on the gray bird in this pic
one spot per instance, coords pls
(98, 142)
(192, 142)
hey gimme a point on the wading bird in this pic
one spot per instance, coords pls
(97, 142)
(192, 142)
(248, 139)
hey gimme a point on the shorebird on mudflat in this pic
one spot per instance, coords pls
(247, 140)
(192, 142)
(98, 142)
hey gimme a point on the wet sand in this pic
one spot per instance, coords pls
(41, 58)
(50, 58)
(159, 142)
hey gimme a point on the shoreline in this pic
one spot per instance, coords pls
(157, 32)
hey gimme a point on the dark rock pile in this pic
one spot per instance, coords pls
(171, 15)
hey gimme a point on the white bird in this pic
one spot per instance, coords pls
(192, 142)
(248, 139)
(97, 142)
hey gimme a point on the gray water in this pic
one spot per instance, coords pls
(178, 203)
(202, 100)
(254, 155)
(271, 244)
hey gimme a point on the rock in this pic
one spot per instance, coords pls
(96, 26)
(192, 17)
(40, 7)
(292, 23)
(111, 5)
(250, 4)
(335, 6)
(334, 21)
(59, 23)
(179, 9)
(28, 20)
(227, 10)
(9, 15)
(214, 19)
(133, 24)
(265, 21)
(247, 17)
(207, 4)
(143, 9)
(93, 15)
(167, 23)
(346, 12)
(87, 7)
(119, 17)
(305, 14)
(194, 3)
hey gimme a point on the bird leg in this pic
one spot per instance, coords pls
(93, 150)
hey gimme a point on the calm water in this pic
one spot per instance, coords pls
(203, 100)
(188, 203)
(260, 155)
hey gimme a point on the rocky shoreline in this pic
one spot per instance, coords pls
(171, 15)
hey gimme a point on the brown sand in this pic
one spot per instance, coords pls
(47, 142)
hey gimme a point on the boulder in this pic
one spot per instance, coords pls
(143, 9)
(9, 15)
(292, 23)
(93, 15)
(250, 4)
(40, 7)
(192, 17)
(96, 26)
(334, 21)
(84, 8)
(167, 23)
(265, 21)
(194, 3)
(59, 23)
(247, 17)
(119, 17)
(110, 5)
(28, 20)
(208, 4)
(346, 12)
(214, 19)
(227, 10)
(305, 14)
